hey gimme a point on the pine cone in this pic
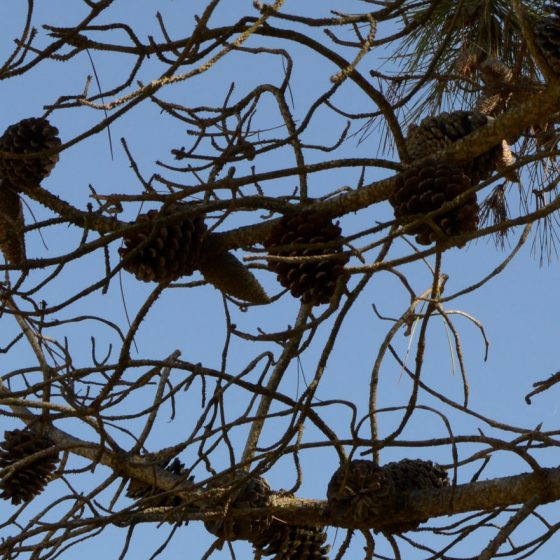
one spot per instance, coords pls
(314, 281)
(492, 104)
(504, 163)
(436, 133)
(547, 38)
(225, 272)
(27, 137)
(359, 490)
(416, 474)
(12, 240)
(253, 493)
(292, 542)
(495, 73)
(163, 253)
(28, 481)
(138, 490)
(503, 89)
(409, 475)
(421, 189)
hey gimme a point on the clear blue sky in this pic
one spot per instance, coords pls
(519, 308)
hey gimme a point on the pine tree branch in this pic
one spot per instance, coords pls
(535, 110)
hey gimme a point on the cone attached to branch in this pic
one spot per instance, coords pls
(28, 136)
(547, 38)
(359, 490)
(304, 235)
(409, 475)
(232, 277)
(424, 188)
(138, 490)
(364, 493)
(434, 134)
(28, 481)
(12, 240)
(163, 252)
(292, 542)
(253, 493)
(269, 536)
(497, 89)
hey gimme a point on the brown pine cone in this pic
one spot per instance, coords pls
(359, 490)
(409, 475)
(225, 272)
(163, 253)
(138, 490)
(434, 134)
(416, 474)
(292, 542)
(422, 189)
(12, 240)
(253, 493)
(547, 37)
(28, 136)
(313, 281)
(28, 481)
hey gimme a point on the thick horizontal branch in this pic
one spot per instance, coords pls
(422, 504)
(486, 495)
(542, 487)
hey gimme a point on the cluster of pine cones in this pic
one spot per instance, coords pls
(28, 136)
(27, 481)
(363, 491)
(425, 188)
(269, 536)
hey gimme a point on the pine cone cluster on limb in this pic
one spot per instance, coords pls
(269, 536)
(434, 134)
(365, 493)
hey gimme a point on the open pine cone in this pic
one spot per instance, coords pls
(27, 137)
(409, 475)
(361, 490)
(138, 490)
(292, 542)
(547, 37)
(253, 493)
(163, 253)
(313, 281)
(434, 134)
(424, 188)
(27, 481)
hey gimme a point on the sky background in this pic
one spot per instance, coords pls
(519, 309)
